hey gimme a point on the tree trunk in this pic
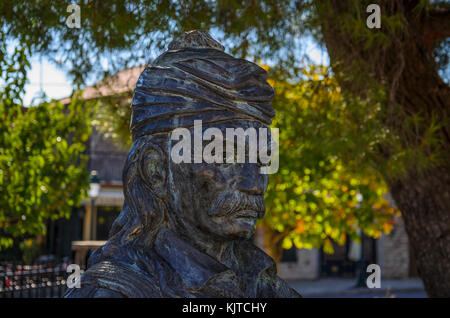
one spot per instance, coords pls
(425, 204)
(413, 87)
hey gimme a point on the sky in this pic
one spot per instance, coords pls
(55, 84)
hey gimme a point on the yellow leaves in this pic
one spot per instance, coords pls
(350, 220)
(291, 95)
(287, 244)
(306, 245)
(318, 228)
(376, 234)
(29, 242)
(298, 190)
(387, 227)
(285, 216)
(380, 191)
(329, 199)
(6, 242)
(328, 229)
(300, 228)
(279, 227)
(340, 215)
(323, 186)
(377, 206)
(298, 243)
(342, 238)
(264, 67)
(328, 246)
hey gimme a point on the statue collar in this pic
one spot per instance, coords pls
(200, 272)
(174, 268)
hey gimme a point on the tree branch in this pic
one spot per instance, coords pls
(436, 27)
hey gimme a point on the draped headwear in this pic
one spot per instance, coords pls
(196, 80)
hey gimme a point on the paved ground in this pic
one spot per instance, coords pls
(338, 287)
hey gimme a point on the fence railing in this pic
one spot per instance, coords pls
(33, 281)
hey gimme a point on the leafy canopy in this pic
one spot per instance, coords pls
(42, 167)
(323, 191)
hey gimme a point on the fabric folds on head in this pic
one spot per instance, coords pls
(199, 84)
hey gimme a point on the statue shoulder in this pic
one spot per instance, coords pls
(90, 291)
(112, 279)
(272, 286)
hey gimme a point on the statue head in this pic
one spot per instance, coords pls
(196, 89)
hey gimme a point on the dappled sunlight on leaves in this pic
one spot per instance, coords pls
(325, 190)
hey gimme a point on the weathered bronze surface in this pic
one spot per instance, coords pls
(181, 232)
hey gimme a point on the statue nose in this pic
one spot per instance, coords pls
(250, 180)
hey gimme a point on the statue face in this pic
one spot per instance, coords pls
(220, 199)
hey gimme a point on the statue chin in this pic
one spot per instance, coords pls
(233, 227)
(244, 227)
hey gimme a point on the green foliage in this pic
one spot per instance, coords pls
(113, 115)
(42, 169)
(323, 190)
(142, 28)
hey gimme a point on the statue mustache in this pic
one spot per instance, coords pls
(233, 202)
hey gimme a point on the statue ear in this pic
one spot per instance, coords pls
(153, 170)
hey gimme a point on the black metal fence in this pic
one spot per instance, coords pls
(33, 281)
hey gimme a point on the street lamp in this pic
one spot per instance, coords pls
(94, 191)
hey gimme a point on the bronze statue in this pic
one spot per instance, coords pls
(186, 229)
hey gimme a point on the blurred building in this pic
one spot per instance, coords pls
(392, 252)
(88, 228)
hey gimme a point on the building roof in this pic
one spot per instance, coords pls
(121, 82)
